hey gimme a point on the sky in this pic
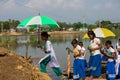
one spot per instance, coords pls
(69, 11)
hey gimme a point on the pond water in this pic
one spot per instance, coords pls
(60, 42)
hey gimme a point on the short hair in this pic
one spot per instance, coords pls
(74, 41)
(81, 43)
(119, 39)
(91, 33)
(108, 42)
(45, 34)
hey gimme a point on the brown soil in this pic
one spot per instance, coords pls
(14, 67)
(52, 33)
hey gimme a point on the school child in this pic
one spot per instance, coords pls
(83, 53)
(109, 52)
(117, 66)
(95, 56)
(50, 57)
(78, 65)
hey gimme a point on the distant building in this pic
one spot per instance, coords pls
(70, 29)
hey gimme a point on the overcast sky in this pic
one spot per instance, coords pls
(69, 11)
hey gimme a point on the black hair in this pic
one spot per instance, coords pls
(109, 42)
(90, 32)
(45, 34)
(74, 41)
(119, 39)
(81, 43)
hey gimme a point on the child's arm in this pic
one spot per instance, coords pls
(69, 50)
(48, 48)
(99, 47)
(109, 56)
(83, 52)
(45, 51)
(75, 55)
(118, 49)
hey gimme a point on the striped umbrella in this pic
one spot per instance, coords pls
(36, 21)
(101, 32)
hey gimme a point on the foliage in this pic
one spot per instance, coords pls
(7, 25)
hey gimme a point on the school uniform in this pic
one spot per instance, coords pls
(117, 66)
(111, 75)
(78, 66)
(83, 57)
(95, 59)
(83, 64)
(50, 59)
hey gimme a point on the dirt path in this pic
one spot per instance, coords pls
(14, 67)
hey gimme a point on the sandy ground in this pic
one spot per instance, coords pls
(53, 32)
(14, 67)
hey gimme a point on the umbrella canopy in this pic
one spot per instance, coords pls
(42, 21)
(101, 32)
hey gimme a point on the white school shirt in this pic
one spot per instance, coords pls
(118, 53)
(80, 49)
(83, 50)
(94, 43)
(117, 65)
(53, 62)
(110, 50)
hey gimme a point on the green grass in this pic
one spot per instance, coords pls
(117, 32)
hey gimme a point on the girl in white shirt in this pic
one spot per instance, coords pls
(50, 57)
(109, 52)
(78, 65)
(95, 57)
(117, 66)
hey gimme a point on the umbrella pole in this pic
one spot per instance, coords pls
(27, 50)
(27, 46)
(38, 36)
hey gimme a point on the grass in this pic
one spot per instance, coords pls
(117, 32)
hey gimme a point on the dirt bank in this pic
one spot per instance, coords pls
(14, 67)
(52, 33)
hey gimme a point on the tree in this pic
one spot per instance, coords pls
(105, 23)
(77, 25)
(63, 25)
(7, 25)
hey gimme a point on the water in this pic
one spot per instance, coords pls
(60, 42)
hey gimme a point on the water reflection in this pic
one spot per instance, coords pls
(28, 44)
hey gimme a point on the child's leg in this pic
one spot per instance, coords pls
(44, 63)
(57, 71)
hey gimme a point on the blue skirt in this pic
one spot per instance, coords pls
(111, 70)
(119, 71)
(79, 69)
(95, 65)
